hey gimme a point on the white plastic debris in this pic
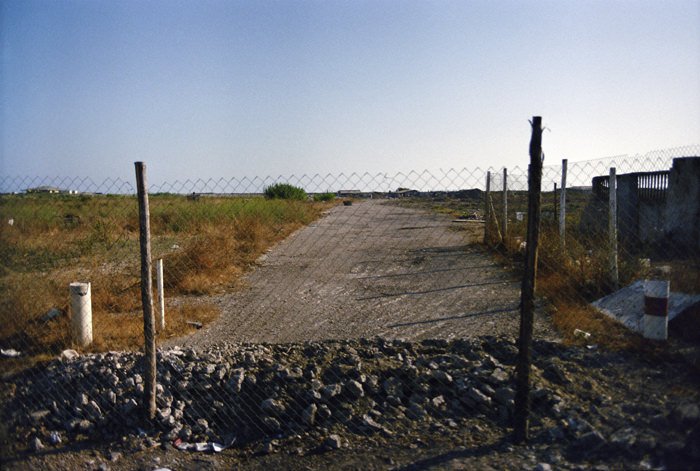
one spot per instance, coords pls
(11, 222)
(581, 333)
(202, 446)
(69, 354)
(55, 438)
(9, 353)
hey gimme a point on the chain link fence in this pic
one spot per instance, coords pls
(368, 309)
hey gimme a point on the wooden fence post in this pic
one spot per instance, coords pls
(612, 226)
(487, 209)
(527, 291)
(505, 204)
(562, 204)
(146, 293)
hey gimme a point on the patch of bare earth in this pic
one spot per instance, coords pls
(372, 269)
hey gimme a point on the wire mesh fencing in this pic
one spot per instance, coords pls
(320, 309)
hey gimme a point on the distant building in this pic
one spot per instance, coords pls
(51, 190)
(44, 189)
(407, 192)
(344, 193)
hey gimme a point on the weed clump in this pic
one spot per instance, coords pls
(285, 191)
(324, 197)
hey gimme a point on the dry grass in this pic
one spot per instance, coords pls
(206, 246)
(125, 331)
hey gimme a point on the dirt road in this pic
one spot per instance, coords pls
(371, 269)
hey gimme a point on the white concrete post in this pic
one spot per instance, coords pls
(81, 307)
(656, 294)
(161, 294)
(505, 203)
(487, 210)
(562, 204)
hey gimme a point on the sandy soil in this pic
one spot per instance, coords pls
(370, 269)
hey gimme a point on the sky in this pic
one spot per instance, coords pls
(202, 89)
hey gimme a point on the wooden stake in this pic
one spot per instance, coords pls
(527, 292)
(146, 293)
(499, 236)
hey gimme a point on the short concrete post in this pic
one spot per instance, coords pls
(161, 294)
(656, 294)
(81, 308)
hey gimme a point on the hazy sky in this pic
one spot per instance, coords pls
(230, 88)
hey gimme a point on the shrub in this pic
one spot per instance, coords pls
(284, 191)
(324, 197)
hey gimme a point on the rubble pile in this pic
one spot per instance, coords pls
(337, 391)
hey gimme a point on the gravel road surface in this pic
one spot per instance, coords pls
(371, 269)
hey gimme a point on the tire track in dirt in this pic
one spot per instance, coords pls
(372, 269)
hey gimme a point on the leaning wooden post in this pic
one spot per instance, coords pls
(147, 293)
(612, 227)
(161, 294)
(505, 204)
(527, 291)
(562, 204)
(487, 209)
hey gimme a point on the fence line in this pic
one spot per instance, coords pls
(309, 317)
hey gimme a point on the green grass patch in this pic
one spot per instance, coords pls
(324, 196)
